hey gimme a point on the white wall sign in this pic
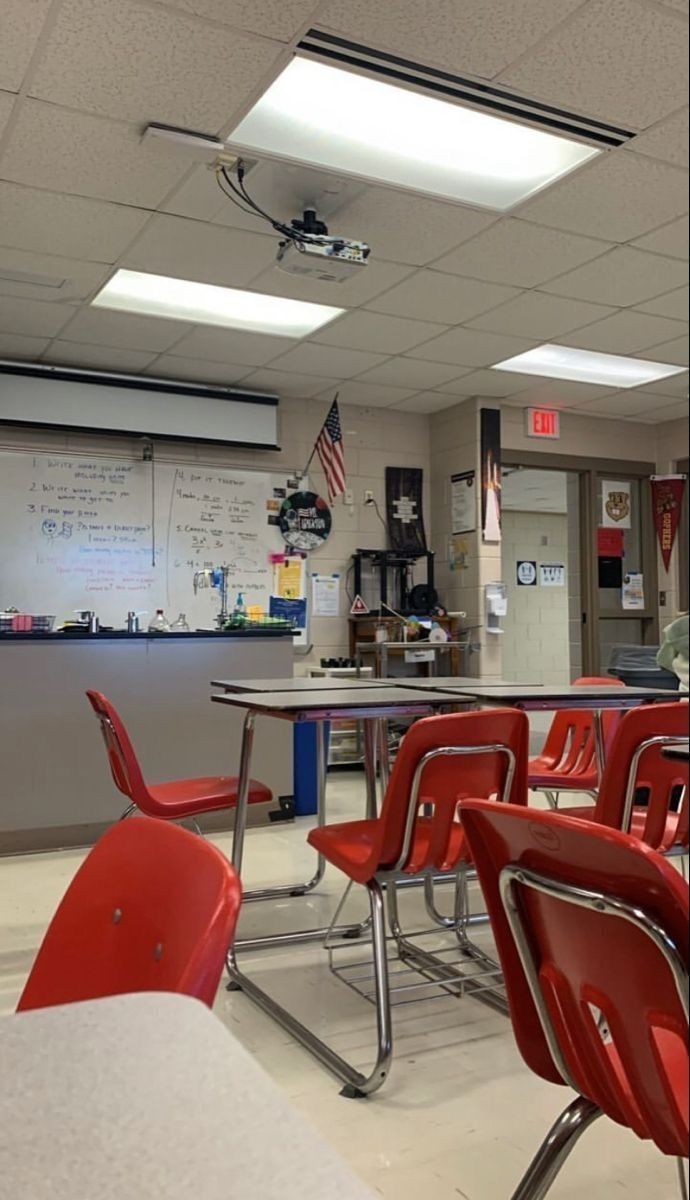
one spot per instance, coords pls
(552, 574)
(463, 502)
(632, 593)
(325, 595)
(526, 573)
(615, 504)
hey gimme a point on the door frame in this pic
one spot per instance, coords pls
(588, 470)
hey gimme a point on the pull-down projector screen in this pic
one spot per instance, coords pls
(117, 404)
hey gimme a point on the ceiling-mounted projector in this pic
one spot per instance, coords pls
(309, 250)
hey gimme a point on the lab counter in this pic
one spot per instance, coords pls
(55, 784)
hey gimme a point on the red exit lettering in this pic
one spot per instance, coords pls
(543, 423)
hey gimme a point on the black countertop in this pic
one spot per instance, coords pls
(115, 635)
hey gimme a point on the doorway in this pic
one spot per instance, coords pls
(565, 623)
(540, 548)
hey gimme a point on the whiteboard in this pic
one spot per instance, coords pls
(112, 535)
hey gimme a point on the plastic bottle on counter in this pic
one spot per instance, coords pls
(180, 625)
(159, 624)
(240, 609)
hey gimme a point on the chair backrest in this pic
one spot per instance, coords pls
(570, 743)
(635, 760)
(591, 927)
(152, 908)
(440, 760)
(124, 765)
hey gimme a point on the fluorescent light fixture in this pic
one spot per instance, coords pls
(206, 304)
(586, 366)
(355, 125)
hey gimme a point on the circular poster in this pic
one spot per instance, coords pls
(305, 521)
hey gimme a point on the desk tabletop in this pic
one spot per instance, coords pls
(323, 684)
(149, 1096)
(460, 683)
(568, 695)
(354, 702)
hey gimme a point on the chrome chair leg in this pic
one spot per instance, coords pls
(681, 1178)
(131, 808)
(555, 1149)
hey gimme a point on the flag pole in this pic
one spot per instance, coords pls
(303, 473)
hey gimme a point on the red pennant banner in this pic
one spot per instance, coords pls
(667, 502)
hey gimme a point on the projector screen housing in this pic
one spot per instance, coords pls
(97, 402)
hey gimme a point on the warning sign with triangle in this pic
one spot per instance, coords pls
(359, 608)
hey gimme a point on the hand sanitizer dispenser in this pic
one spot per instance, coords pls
(496, 601)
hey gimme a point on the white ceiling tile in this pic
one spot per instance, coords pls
(519, 253)
(671, 239)
(668, 140)
(622, 277)
(285, 189)
(675, 352)
(288, 383)
(199, 197)
(232, 346)
(426, 402)
(50, 223)
(188, 249)
(624, 333)
(673, 386)
(673, 304)
(470, 348)
(21, 22)
(371, 394)
(623, 61)
(48, 277)
(674, 412)
(367, 282)
(277, 19)
(405, 228)
(481, 36)
(559, 393)
(448, 299)
(88, 156)
(196, 370)
(101, 358)
(140, 63)
(123, 330)
(373, 331)
(330, 361)
(33, 316)
(411, 372)
(536, 315)
(486, 382)
(679, 5)
(627, 404)
(15, 345)
(6, 106)
(618, 197)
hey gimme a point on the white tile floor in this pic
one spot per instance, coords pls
(460, 1115)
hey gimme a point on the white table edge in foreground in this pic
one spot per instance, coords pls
(150, 1095)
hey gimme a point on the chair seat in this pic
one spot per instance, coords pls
(353, 847)
(543, 774)
(189, 797)
(639, 821)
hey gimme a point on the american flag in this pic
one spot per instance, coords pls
(329, 447)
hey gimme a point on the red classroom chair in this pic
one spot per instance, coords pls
(441, 759)
(171, 801)
(568, 761)
(152, 908)
(592, 932)
(636, 763)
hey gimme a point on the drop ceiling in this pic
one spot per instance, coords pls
(598, 261)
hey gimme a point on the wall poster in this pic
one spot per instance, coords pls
(667, 503)
(404, 512)
(615, 504)
(490, 443)
(463, 502)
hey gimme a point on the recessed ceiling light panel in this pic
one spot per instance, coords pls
(338, 120)
(206, 304)
(586, 366)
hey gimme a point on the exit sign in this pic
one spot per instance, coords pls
(543, 423)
